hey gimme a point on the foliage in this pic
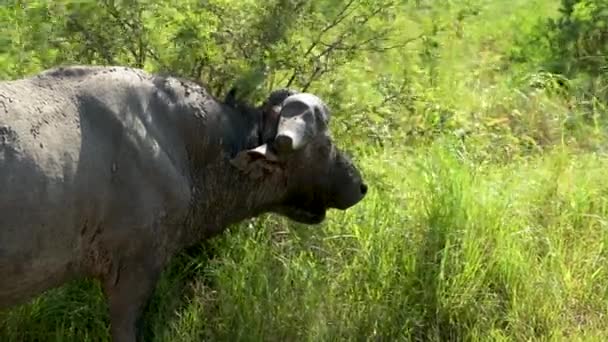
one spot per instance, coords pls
(573, 49)
(581, 36)
(480, 126)
(213, 40)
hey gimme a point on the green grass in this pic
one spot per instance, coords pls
(441, 249)
(500, 236)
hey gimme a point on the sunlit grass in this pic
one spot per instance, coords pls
(480, 238)
(441, 249)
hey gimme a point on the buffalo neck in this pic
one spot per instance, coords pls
(221, 194)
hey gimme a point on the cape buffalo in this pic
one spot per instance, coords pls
(106, 172)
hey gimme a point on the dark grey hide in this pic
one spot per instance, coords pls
(107, 172)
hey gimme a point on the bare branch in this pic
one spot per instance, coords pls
(340, 17)
(373, 43)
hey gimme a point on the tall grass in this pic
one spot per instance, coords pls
(442, 249)
(499, 234)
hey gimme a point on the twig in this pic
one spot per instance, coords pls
(340, 17)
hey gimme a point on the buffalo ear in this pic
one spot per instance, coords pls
(256, 162)
(270, 120)
(230, 98)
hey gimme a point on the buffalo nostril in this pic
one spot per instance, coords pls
(363, 188)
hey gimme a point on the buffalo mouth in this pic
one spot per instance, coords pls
(307, 214)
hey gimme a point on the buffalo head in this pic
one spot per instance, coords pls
(295, 141)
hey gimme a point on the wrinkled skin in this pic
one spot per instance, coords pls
(107, 172)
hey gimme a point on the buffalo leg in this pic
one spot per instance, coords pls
(128, 293)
